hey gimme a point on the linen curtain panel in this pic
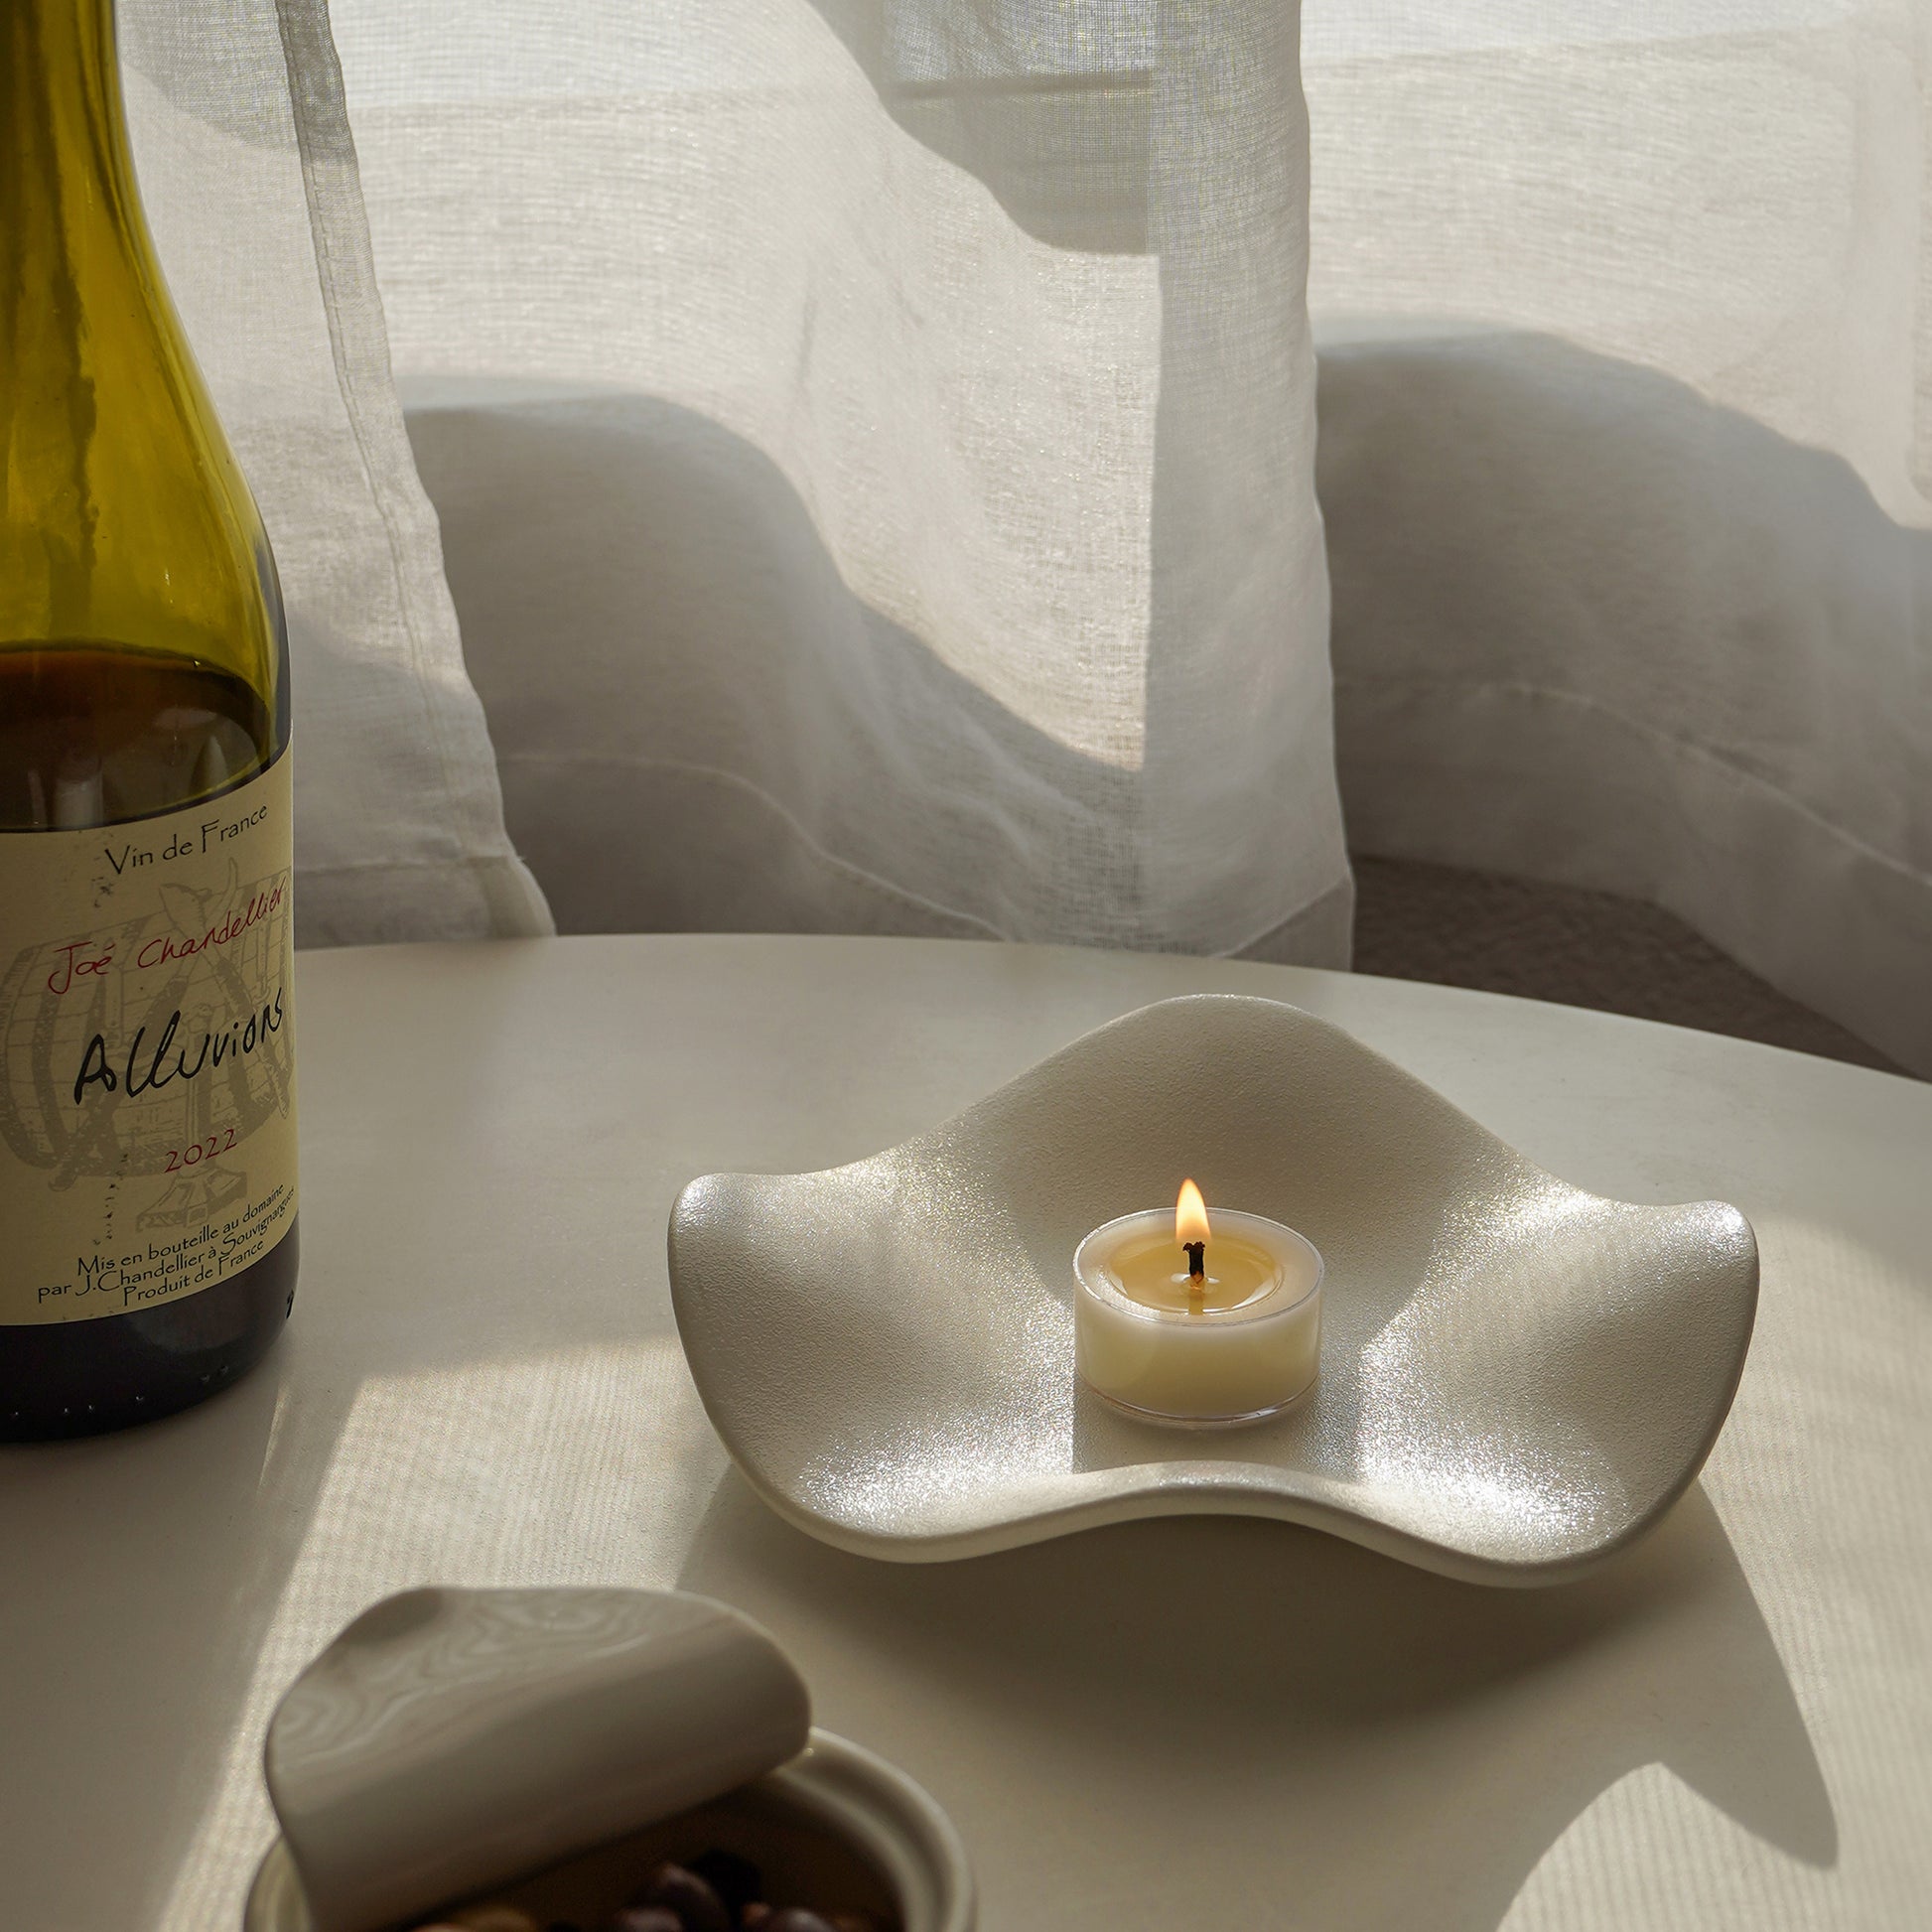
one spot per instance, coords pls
(875, 449)
(873, 444)
(1625, 313)
(248, 176)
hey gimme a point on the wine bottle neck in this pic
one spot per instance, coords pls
(64, 131)
(74, 262)
(124, 521)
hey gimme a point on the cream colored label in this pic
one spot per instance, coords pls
(146, 1055)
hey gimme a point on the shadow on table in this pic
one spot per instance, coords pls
(109, 1691)
(1379, 1746)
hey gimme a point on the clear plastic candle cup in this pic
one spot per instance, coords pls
(1176, 1320)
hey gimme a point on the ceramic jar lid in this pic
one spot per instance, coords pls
(450, 1740)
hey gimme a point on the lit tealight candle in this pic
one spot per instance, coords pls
(1178, 1321)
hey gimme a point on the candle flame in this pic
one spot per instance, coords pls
(1189, 1217)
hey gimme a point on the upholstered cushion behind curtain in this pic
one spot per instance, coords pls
(875, 449)
(250, 178)
(1626, 438)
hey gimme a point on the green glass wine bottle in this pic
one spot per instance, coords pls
(147, 1062)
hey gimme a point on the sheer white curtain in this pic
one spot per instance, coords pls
(248, 176)
(874, 443)
(1627, 440)
(874, 440)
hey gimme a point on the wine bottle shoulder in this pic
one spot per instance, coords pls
(127, 519)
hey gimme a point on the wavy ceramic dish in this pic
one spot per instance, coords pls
(1517, 1378)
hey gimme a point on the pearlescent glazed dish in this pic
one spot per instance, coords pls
(1517, 1378)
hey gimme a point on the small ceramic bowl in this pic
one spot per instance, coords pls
(836, 1827)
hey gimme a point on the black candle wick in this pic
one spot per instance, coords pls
(1196, 1251)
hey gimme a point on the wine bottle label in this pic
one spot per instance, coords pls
(146, 1055)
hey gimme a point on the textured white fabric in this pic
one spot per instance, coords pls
(250, 178)
(875, 452)
(1626, 438)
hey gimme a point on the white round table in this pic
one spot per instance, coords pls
(1211, 1723)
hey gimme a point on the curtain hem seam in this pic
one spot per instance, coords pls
(847, 867)
(850, 869)
(1705, 754)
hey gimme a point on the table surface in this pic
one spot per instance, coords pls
(1210, 1722)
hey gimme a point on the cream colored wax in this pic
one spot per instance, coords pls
(1242, 1348)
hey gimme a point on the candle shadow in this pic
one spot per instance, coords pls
(1378, 1746)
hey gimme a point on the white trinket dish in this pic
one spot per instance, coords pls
(1517, 1378)
(550, 1747)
